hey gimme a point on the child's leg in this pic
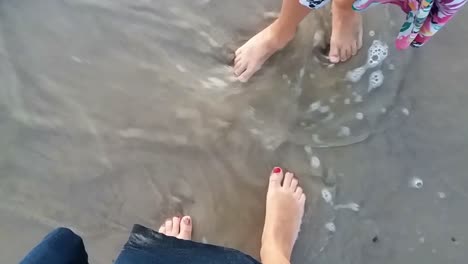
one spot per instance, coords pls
(251, 56)
(346, 38)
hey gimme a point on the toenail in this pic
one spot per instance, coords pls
(187, 220)
(277, 170)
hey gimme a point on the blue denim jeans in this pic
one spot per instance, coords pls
(144, 246)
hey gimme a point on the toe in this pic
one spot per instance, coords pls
(294, 184)
(287, 180)
(175, 226)
(168, 227)
(238, 51)
(344, 54)
(162, 229)
(334, 55)
(359, 41)
(276, 177)
(302, 199)
(237, 60)
(354, 48)
(240, 67)
(245, 76)
(298, 192)
(185, 228)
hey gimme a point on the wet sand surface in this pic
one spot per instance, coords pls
(123, 112)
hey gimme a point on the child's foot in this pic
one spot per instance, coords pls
(346, 38)
(251, 56)
(284, 210)
(176, 227)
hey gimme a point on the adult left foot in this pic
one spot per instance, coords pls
(346, 37)
(177, 227)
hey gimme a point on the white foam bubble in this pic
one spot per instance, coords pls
(405, 111)
(441, 195)
(376, 79)
(383, 110)
(330, 227)
(359, 116)
(358, 98)
(344, 131)
(314, 106)
(301, 72)
(315, 162)
(206, 85)
(347, 101)
(329, 117)
(356, 74)
(308, 149)
(371, 33)
(316, 138)
(312, 76)
(351, 206)
(327, 196)
(324, 109)
(217, 82)
(416, 183)
(377, 53)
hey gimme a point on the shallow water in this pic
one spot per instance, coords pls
(123, 112)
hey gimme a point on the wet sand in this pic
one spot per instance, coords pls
(123, 112)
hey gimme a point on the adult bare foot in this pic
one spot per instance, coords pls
(284, 210)
(251, 56)
(346, 37)
(176, 227)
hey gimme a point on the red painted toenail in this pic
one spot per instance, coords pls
(187, 220)
(277, 170)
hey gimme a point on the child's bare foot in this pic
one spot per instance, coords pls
(284, 210)
(346, 38)
(176, 227)
(251, 56)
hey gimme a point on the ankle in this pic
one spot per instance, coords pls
(344, 5)
(281, 33)
(273, 253)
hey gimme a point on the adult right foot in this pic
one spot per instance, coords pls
(284, 211)
(252, 55)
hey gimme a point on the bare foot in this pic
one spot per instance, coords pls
(251, 56)
(284, 210)
(178, 228)
(346, 38)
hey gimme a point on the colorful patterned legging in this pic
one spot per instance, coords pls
(424, 17)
